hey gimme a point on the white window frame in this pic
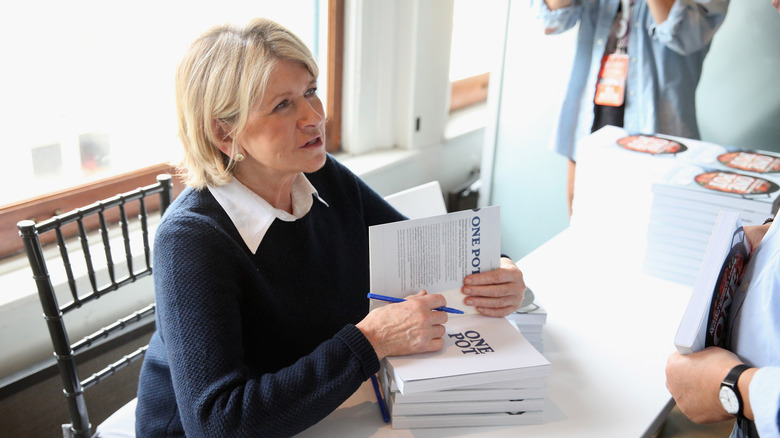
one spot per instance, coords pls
(396, 74)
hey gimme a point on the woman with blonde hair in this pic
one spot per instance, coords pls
(261, 265)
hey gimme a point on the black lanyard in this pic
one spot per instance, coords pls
(624, 26)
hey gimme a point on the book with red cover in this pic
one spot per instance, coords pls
(725, 261)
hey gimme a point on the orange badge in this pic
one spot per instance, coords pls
(611, 85)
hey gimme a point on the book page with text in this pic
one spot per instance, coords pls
(434, 253)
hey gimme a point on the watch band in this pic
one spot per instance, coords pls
(731, 382)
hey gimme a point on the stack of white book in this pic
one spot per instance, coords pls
(689, 197)
(487, 374)
(609, 172)
(680, 186)
(530, 321)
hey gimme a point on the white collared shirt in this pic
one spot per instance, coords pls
(253, 215)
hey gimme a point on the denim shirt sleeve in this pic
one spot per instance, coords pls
(690, 26)
(765, 400)
(559, 20)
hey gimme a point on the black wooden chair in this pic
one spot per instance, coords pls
(130, 241)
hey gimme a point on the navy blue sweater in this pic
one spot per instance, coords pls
(259, 344)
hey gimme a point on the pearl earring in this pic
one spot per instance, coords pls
(239, 157)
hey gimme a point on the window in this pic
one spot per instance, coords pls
(477, 30)
(90, 101)
(89, 111)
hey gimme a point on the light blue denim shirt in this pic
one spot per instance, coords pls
(755, 337)
(664, 68)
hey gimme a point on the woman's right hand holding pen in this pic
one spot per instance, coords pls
(406, 328)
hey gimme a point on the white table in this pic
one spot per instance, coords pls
(609, 331)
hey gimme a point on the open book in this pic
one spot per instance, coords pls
(434, 253)
(725, 261)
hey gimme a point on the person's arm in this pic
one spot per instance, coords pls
(201, 289)
(686, 26)
(558, 4)
(406, 328)
(557, 16)
(660, 9)
(694, 382)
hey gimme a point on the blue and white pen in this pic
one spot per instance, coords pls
(380, 400)
(401, 300)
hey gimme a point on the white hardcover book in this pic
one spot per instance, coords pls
(532, 314)
(730, 190)
(677, 277)
(477, 349)
(721, 271)
(682, 221)
(663, 247)
(668, 266)
(653, 267)
(684, 262)
(530, 330)
(502, 384)
(694, 210)
(467, 420)
(756, 162)
(469, 395)
(690, 238)
(470, 407)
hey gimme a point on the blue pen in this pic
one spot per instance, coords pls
(380, 400)
(401, 300)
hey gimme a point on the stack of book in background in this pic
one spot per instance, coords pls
(684, 184)
(688, 198)
(487, 374)
(530, 321)
(608, 173)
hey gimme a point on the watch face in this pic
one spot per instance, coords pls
(729, 400)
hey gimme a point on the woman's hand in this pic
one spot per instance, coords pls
(495, 293)
(694, 382)
(406, 328)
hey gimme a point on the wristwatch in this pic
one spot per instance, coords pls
(729, 395)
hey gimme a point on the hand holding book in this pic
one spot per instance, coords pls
(495, 293)
(693, 380)
(456, 255)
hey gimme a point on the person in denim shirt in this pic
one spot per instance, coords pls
(667, 41)
(694, 380)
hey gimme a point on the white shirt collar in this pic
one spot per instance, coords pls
(253, 215)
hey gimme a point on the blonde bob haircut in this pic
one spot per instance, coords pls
(222, 76)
